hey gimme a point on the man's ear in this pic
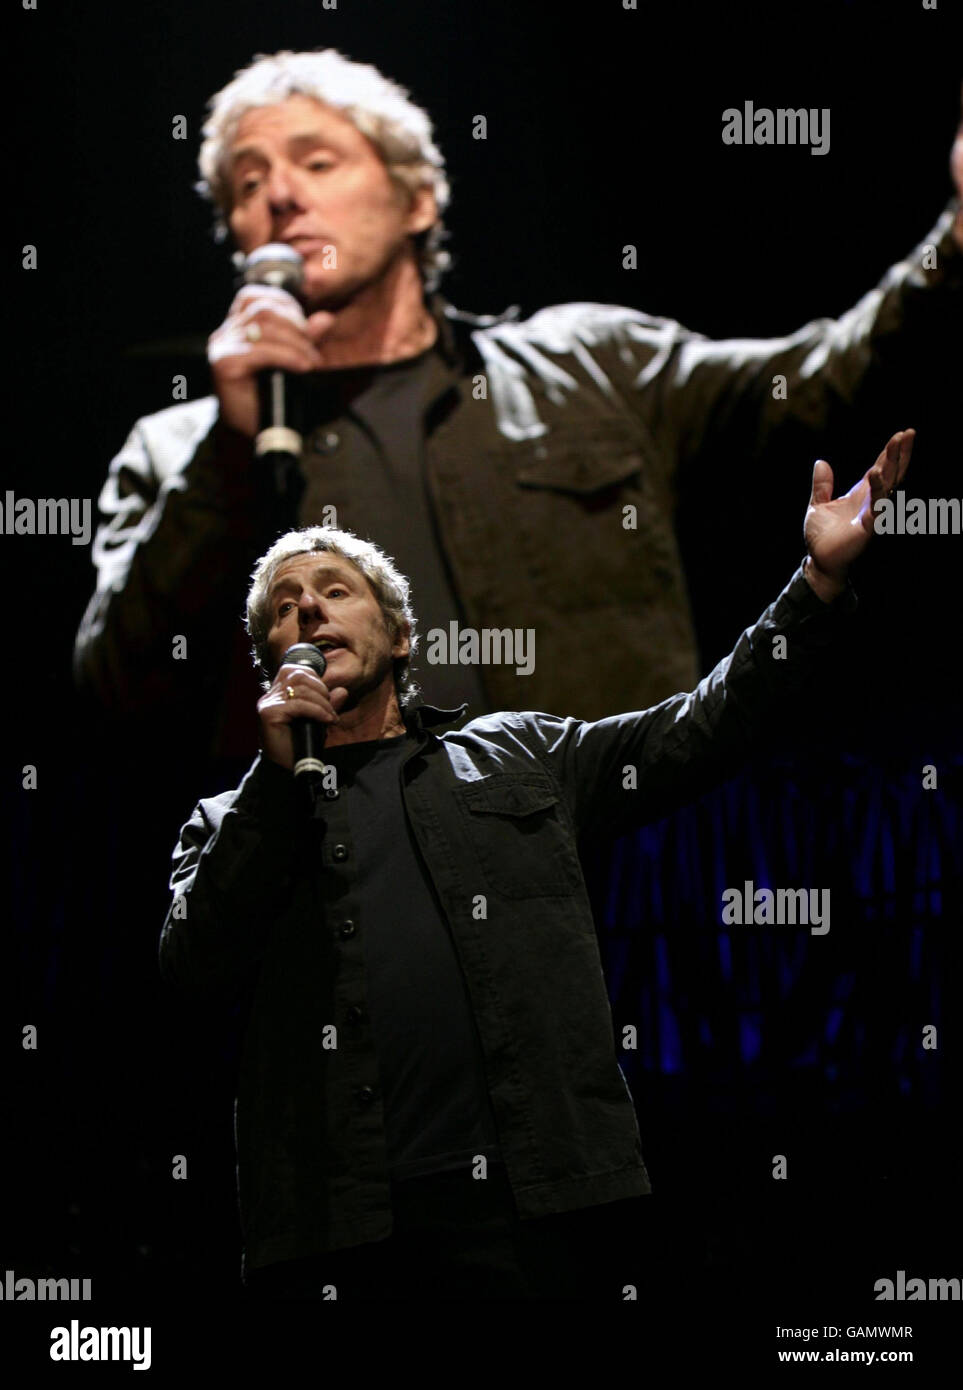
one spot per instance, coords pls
(423, 212)
(402, 642)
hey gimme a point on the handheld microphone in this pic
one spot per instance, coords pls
(280, 440)
(307, 734)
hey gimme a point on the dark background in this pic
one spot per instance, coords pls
(603, 129)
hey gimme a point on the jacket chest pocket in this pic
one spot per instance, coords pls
(586, 463)
(587, 501)
(520, 837)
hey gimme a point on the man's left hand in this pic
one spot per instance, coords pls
(837, 532)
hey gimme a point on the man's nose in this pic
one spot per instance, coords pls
(310, 608)
(282, 188)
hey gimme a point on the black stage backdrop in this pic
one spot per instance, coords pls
(603, 130)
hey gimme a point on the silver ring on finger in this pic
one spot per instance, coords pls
(253, 332)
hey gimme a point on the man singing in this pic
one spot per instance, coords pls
(481, 452)
(428, 1095)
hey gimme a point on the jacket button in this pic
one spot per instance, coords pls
(339, 854)
(326, 441)
(354, 1014)
(365, 1094)
(346, 930)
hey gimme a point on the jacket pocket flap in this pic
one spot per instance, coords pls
(578, 465)
(508, 797)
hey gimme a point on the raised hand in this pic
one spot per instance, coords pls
(956, 171)
(838, 531)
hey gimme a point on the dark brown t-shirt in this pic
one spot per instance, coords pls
(387, 455)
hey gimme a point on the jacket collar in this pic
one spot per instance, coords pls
(455, 327)
(420, 719)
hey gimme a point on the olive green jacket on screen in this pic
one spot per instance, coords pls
(553, 453)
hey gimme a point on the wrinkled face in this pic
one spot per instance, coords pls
(325, 599)
(301, 173)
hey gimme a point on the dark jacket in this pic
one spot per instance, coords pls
(263, 911)
(540, 435)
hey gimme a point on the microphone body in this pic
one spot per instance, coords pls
(307, 735)
(280, 442)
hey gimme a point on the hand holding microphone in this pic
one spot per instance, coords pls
(265, 328)
(296, 711)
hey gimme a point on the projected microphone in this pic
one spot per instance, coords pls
(307, 734)
(279, 265)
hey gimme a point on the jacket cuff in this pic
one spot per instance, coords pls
(267, 795)
(799, 603)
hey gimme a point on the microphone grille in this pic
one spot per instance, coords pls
(306, 654)
(275, 264)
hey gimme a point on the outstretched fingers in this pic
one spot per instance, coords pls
(888, 470)
(822, 483)
(906, 441)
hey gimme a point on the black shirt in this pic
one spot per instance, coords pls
(437, 1112)
(387, 453)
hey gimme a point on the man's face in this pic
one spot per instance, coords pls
(301, 173)
(324, 599)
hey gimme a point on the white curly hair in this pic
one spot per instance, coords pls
(390, 587)
(380, 109)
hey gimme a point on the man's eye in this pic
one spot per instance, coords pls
(337, 591)
(321, 164)
(283, 608)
